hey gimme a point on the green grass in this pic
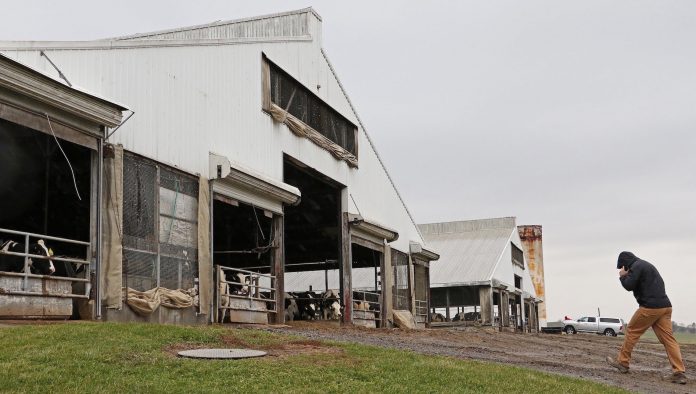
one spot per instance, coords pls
(681, 337)
(110, 357)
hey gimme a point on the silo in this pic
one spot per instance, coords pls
(534, 254)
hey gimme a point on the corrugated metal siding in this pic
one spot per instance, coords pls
(292, 25)
(196, 99)
(469, 256)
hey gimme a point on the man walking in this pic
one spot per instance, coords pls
(655, 310)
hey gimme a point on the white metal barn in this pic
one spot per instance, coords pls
(244, 163)
(482, 273)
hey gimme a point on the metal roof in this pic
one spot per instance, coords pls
(278, 24)
(469, 250)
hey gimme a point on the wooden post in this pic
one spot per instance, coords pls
(383, 281)
(500, 310)
(387, 285)
(427, 281)
(278, 268)
(447, 303)
(346, 271)
(411, 286)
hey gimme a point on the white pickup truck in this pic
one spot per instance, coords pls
(609, 326)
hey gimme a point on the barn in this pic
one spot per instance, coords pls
(483, 276)
(51, 144)
(242, 181)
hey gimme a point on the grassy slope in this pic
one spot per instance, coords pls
(133, 358)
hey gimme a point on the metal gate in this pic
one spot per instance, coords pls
(56, 291)
(421, 287)
(401, 292)
(245, 296)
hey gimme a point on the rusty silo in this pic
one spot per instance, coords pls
(534, 254)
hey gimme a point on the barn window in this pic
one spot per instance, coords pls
(517, 256)
(160, 228)
(307, 115)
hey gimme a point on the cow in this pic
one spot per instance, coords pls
(38, 266)
(308, 305)
(437, 318)
(468, 316)
(330, 305)
(361, 305)
(239, 283)
(291, 309)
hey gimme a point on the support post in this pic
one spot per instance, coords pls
(427, 280)
(387, 285)
(100, 230)
(411, 286)
(447, 303)
(486, 302)
(346, 272)
(500, 310)
(278, 268)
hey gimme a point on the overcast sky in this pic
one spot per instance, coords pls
(579, 116)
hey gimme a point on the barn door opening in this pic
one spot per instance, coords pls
(421, 288)
(368, 263)
(244, 239)
(312, 244)
(45, 197)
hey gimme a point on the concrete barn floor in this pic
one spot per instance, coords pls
(580, 355)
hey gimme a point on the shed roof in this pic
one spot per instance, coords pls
(469, 250)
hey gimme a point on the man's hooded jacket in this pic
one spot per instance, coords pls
(644, 281)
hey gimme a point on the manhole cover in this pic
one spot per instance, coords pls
(221, 353)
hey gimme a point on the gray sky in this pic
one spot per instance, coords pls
(579, 116)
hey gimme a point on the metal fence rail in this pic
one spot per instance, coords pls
(421, 311)
(374, 302)
(251, 291)
(26, 274)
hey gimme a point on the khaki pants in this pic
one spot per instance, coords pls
(661, 322)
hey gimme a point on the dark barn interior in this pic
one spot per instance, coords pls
(37, 190)
(242, 236)
(312, 228)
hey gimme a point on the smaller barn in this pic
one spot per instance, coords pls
(482, 276)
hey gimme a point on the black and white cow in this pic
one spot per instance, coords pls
(468, 316)
(239, 283)
(308, 305)
(331, 305)
(12, 263)
(437, 318)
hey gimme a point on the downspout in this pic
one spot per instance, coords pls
(100, 191)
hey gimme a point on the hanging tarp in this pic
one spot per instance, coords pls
(205, 263)
(112, 236)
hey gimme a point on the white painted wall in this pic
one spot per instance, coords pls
(506, 270)
(191, 100)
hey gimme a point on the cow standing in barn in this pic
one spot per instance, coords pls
(14, 263)
(330, 305)
(308, 304)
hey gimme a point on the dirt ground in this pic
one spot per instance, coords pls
(580, 355)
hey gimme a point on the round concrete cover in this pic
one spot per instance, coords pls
(221, 353)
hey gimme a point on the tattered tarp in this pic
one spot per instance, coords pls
(300, 129)
(146, 302)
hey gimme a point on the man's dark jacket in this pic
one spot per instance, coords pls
(644, 281)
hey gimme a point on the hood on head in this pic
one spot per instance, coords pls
(626, 259)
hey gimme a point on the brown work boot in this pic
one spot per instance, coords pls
(615, 364)
(677, 377)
